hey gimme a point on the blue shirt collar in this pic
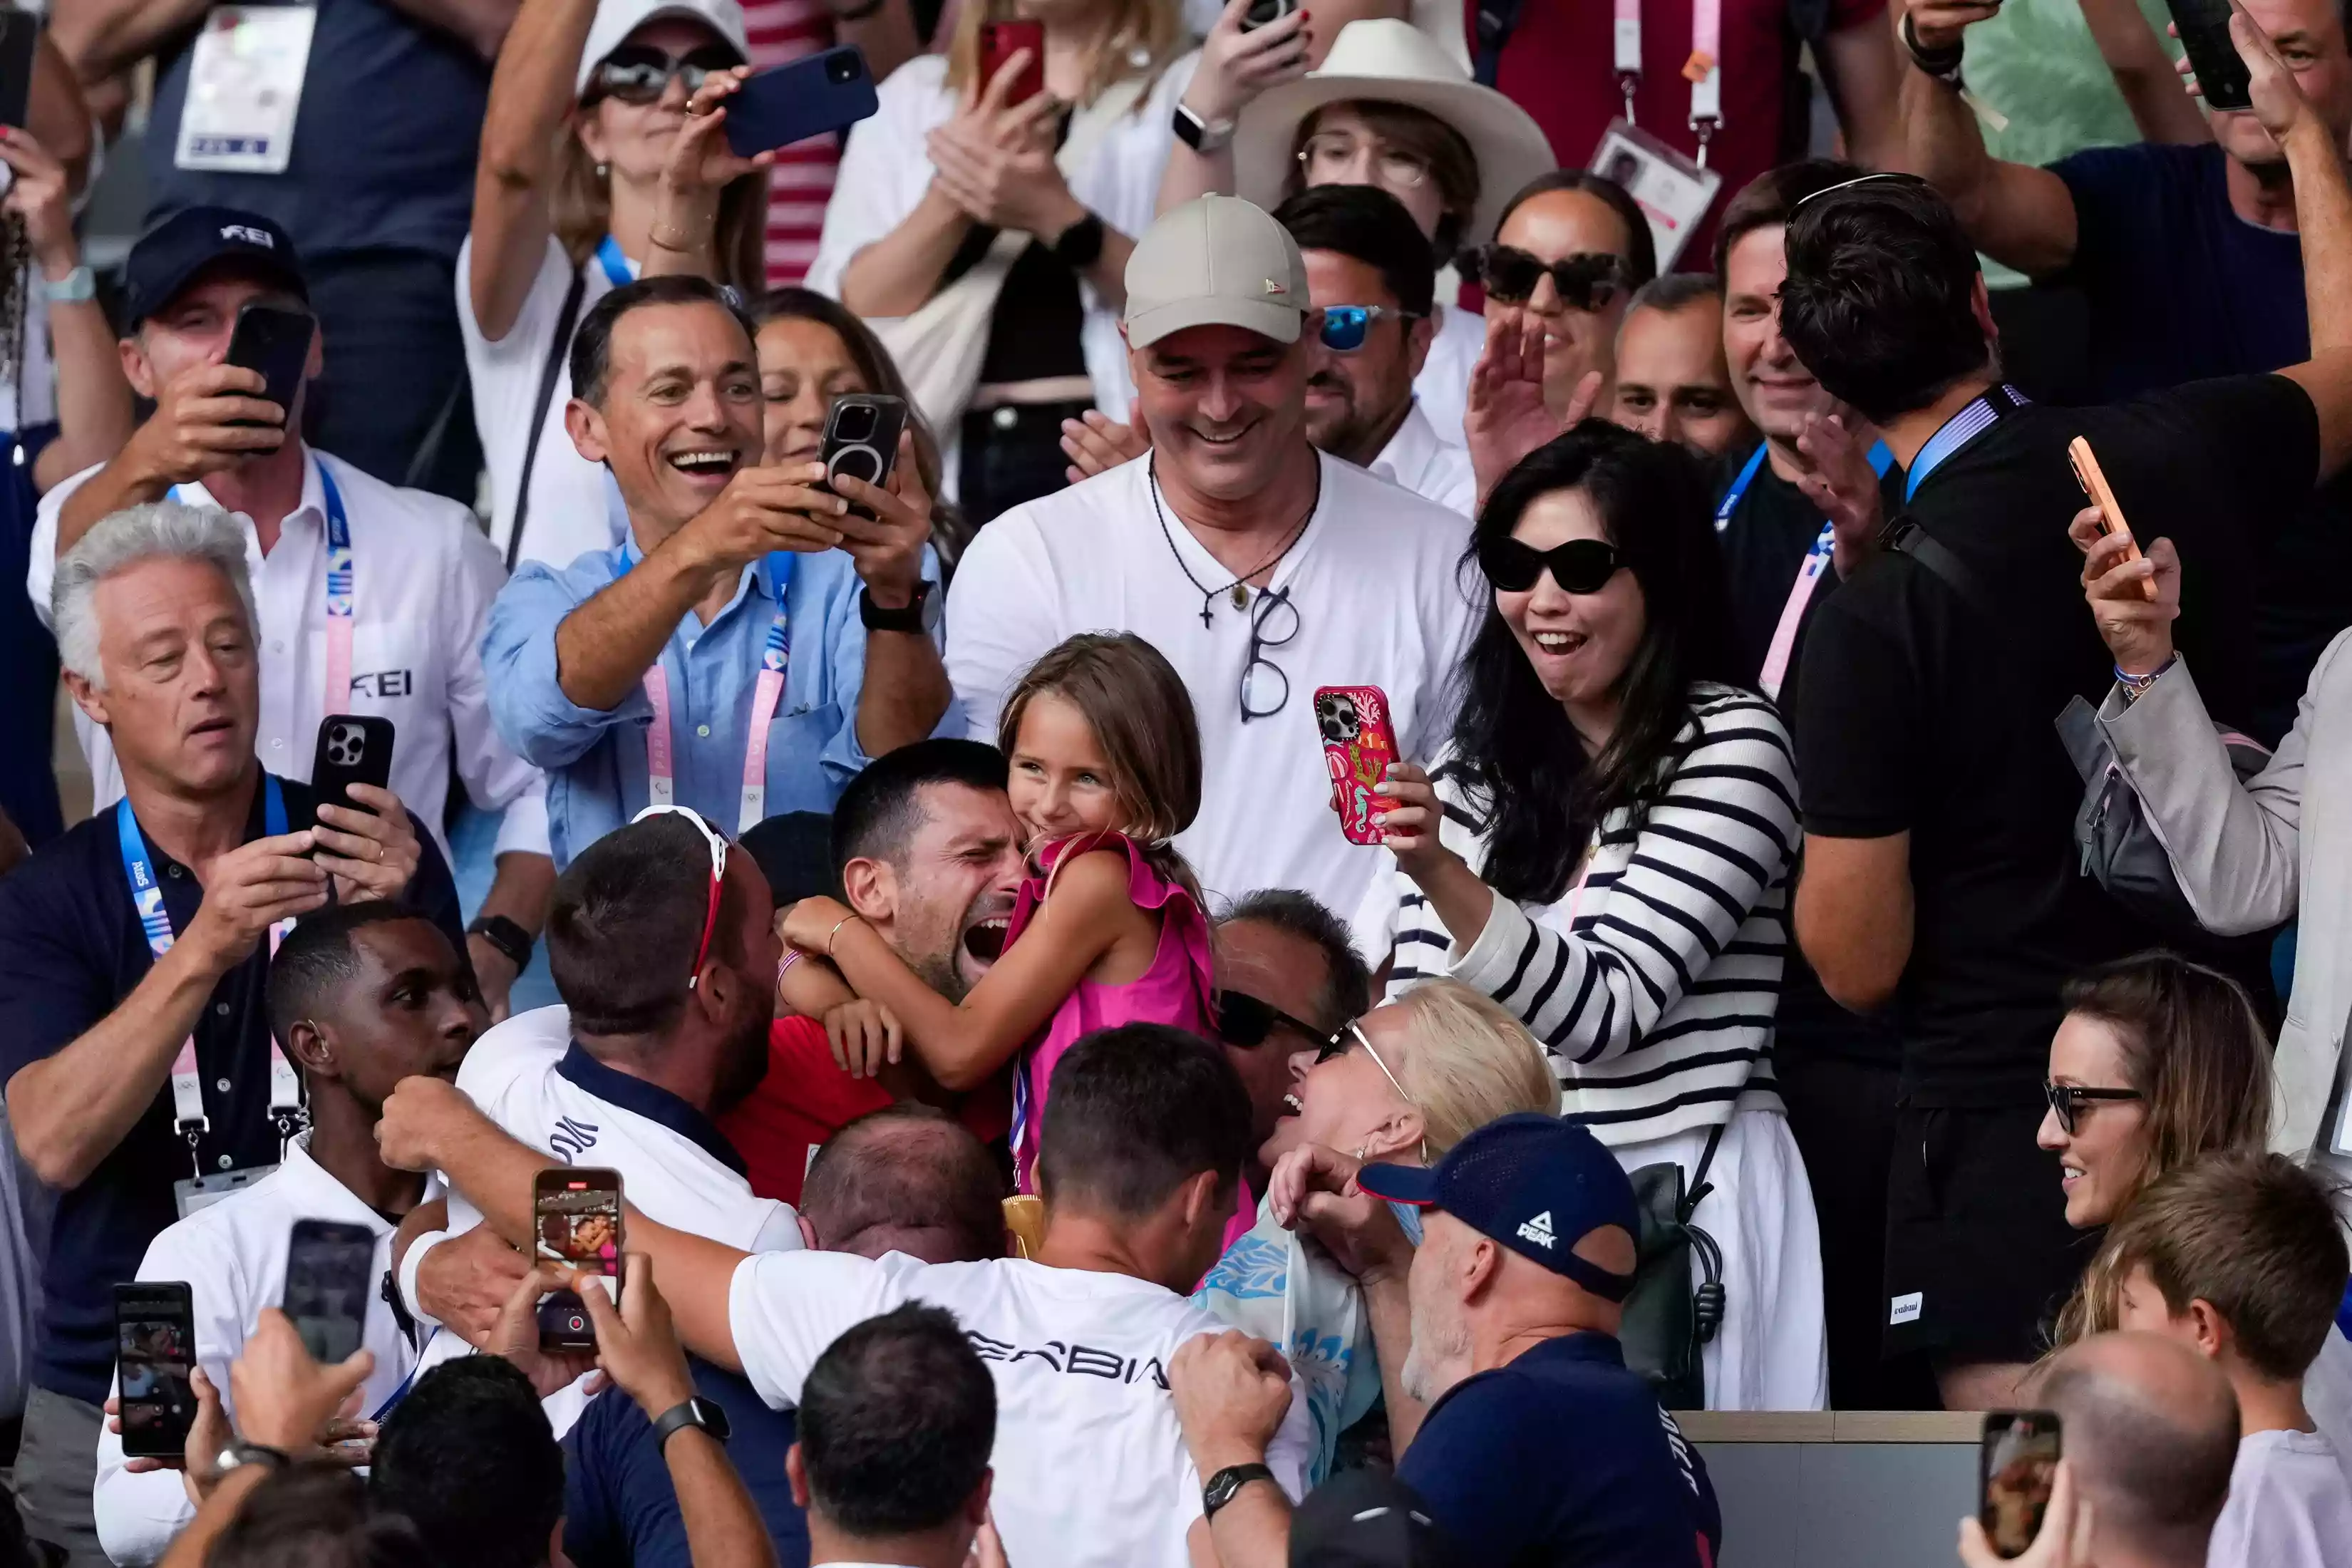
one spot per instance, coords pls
(651, 1102)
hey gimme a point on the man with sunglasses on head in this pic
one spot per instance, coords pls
(1260, 567)
(1288, 978)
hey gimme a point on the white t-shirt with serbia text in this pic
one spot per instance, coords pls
(1091, 1470)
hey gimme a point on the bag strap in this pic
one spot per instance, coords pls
(1497, 20)
(1903, 535)
(558, 350)
(1698, 1187)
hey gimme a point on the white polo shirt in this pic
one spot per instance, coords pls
(1374, 582)
(1444, 384)
(422, 579)
(233, 1255)
(1091, 1467)
(1433, 469)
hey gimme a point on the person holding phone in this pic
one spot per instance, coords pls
(141, 1075)
(984, 227)
(359, 996)
(1604, 846)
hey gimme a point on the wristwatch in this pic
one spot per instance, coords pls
(73, 289)
(1942, 64)
(695, 1412)
(240, 1452)
(1080, 245)
(513, 942)
(1228, 1481)
(1204, 136)
(919, 615)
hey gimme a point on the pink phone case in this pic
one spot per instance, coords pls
(1357, 747)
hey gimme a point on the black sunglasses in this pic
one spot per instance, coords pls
(1579, 566)
(1245, 1021)
(2067, 1099)
(1586, 281)
(640, 74)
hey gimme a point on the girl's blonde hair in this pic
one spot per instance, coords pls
(1142, 716)
(1144, 35)
(579, 209)
(1466, 1062)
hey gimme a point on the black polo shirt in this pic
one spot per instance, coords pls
(70, 950)
(1923, 711)
(1765, 541)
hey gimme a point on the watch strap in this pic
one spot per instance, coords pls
(513, 942)
(240, 1452)
(1080, 245)
(1225, 1483)
(906, 617)
(74, 288)
(1942, 64)
(693, 1411)
(1204, 136)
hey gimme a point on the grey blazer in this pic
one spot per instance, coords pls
(2251, 856)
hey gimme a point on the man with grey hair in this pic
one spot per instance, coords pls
(142, 1080)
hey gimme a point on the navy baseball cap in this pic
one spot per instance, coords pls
(168, 256)
(1367, 1518)
(1533, 1182)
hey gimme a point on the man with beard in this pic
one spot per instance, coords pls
(662, 944)
(926, 850)
(1540, 1446)
(361, 997)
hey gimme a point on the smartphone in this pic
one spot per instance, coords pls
(329, 1267)
(999, 42)
(814, 96)
(2016, 1462)
(276, 342)
(2094, 480)
(1357, 747)
(154, 1355)
(577, 1214)
(1265, 12)
(353, 748)
(19, 31)
(2221, 74)
(861, 437)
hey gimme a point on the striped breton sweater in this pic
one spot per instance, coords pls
(1651, 987)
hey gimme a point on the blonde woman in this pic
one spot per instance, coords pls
(987, 240)
(1402, 1084)
(586, 107)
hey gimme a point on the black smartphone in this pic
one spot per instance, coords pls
(2221, 74)
(577, 1216)
(330, 1267)
(861, 437)
(155, 1356)
(1263, 12)
(353, 748)
(276, 342)
(19, 32)
(815, 95)
(2016, 1463)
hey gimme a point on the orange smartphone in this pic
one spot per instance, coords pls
(2087, 473)
(1357, 747)
(999, 42)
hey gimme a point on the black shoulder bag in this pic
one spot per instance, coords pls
(1666, 1321)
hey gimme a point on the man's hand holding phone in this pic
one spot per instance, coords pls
(371, 854)
(515, 1335)
(2062, 1542)
(785, 507)
(887, 547)
(636, 1343)
(207, 417)
(284, 1398)
(2137, 629)
(250, 889)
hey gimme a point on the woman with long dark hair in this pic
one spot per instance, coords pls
(1604, 849)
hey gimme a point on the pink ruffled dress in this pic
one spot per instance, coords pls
(1176, 990)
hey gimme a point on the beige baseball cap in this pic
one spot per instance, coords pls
(1215, 261)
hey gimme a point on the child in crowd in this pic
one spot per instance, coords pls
(2241, 1257)
(1105, 769)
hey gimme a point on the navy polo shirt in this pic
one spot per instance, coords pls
(70, 950)
(619, 1508)
(383, 143)
(1563, 1457)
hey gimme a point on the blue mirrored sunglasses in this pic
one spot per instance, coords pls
(1345, 327)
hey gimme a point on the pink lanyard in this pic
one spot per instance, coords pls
(776, 658)
(1703, 70)
(341, 598)
(1793, 613)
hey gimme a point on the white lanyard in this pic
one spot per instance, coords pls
(341, 595)
(1704, 70)
(775, 659)
(188, 1083)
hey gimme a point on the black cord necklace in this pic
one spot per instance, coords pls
(1239, 586)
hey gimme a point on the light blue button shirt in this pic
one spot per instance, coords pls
(595, 760)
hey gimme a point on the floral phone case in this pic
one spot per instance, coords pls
(1357, 747)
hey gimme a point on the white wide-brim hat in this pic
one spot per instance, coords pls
(616, 19)
(1388, 61)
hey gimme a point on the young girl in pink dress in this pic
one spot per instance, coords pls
(1104, 762)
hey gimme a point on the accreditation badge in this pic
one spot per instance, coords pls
(245, 87)
(1673, 191)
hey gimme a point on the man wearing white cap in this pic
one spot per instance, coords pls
(1260, 567)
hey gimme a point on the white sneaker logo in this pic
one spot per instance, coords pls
(1539, 1230)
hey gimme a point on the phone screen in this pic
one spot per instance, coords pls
(20, 32)
(577, 1216)
(2016, 1465)
(329, 1269)
(154, 1354)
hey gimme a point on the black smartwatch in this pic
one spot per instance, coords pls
(695, 1412)
(1228, 1481)
(919, 615)
(1204, 136)
(1080, 245)
(513, 942)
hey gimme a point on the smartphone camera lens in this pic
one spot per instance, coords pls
(855, 423)
(841, 69)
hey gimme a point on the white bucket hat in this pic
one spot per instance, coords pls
(1387, 61)
(616, 19)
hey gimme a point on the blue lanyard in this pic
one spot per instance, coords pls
(342, 581)
(1881, 459)
(1960, 429)
(397, 1394)
(616, 266)
(146, 892)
